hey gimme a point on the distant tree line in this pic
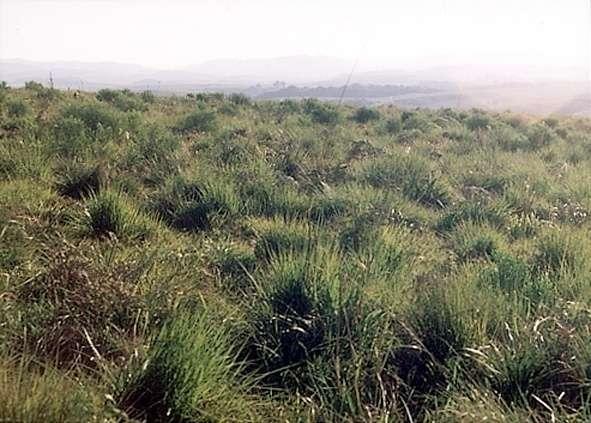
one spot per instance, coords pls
(352, 91)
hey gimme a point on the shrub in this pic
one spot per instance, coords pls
(393, 125)
(200, 120)
(239, 99)
(326, 114)
(94, 116)
(17, 108)
(70, 135)
(365, 115)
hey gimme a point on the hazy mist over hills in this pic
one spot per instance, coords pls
(523, 88)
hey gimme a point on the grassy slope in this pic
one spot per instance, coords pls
(213, 259)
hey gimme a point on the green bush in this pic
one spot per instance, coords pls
(322, 113)
(124, 100)
(393, 125)
(95, 116)
(365, 115)
(70, 135)
(17, 108)
(199, 120)
(239, 99)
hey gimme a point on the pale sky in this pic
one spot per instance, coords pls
(176, 33)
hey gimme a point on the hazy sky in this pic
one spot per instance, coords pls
(175, 33)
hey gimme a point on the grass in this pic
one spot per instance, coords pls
(213, 258)
(189, 373)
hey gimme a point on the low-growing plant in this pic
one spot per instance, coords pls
(193, 205)
(412, 176)
(471, 242)
(278, 236)
(109, 214)
(190, 373)
(80, 180)
(32, 394)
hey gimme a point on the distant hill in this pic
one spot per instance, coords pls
(532, 90)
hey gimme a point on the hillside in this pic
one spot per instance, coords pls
(214, 258)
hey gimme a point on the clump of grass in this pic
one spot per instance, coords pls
(471, 242)
(80, 180)
(412, 176)
(110, 214)
(32, 394)
(279, 236)
(239, 99)
(17, 108)
(235, 263)
(558, 253)
(73, 299)
(193, 204)
(532, 368)
(436, 336)
(303, 301)
(325, 208)
(70, 135)
(123, 100)
(190, 373)
(494, 214)
(478, 121)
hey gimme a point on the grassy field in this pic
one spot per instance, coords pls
(211, 258)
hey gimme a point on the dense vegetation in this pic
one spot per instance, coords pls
(211, 258)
